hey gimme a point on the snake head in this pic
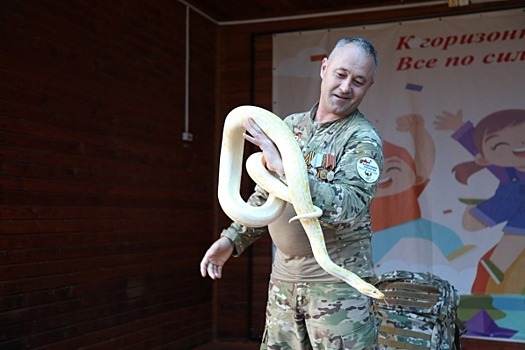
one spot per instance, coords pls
(374, 293)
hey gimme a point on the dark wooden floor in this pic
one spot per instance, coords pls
(466, 344)
(230, 346)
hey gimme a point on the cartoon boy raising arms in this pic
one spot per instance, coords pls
(396, 213)
(404, 178)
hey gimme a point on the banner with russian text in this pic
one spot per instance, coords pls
(449, 101)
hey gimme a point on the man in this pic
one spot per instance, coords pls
(307, 307)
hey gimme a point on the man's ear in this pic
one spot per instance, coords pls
(480, 160)
(324, 64)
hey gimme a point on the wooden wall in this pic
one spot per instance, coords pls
(245, 78)
(104, 211)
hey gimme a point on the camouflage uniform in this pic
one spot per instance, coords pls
(308, 307)
(317, 315)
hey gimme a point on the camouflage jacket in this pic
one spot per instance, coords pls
(342, 184)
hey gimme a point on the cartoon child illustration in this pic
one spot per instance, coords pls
(497, 144)
(395, 211)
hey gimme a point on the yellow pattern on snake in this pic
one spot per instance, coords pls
(297, 192)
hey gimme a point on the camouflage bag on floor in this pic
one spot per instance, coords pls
(417, 313)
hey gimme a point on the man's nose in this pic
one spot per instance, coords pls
(346, 85)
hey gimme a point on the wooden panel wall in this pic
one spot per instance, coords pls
(104, 211)
(245, 70)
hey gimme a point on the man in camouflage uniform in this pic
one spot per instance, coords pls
(309, 308)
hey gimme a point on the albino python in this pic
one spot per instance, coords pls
(297, 192)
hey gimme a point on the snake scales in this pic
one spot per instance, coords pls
(297, 192)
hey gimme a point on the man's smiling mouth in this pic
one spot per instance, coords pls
(342, 97)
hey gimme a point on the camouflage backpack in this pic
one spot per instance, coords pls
(418, 312)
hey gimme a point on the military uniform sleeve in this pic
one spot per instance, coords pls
(345, 199)
(242, 236)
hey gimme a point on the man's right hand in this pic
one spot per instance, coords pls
(215, 258)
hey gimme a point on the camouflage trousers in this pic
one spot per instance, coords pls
(321, 316)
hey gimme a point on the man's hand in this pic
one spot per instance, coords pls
(272, 157)
(215, 258)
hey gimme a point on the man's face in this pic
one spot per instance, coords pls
(346, 76)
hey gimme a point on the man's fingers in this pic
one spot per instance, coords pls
(210, 271)
(203, 267)
(214, 271)
(252, 128)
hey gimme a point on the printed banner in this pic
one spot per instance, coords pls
(449, 101)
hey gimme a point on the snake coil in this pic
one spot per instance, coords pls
(297, 192)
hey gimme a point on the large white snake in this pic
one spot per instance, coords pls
(297, 192)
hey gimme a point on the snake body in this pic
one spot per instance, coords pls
(297, 192)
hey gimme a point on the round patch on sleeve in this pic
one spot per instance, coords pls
(368, 169)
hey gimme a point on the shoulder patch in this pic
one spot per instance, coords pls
(368, 169)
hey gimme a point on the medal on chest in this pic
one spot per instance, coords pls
(321, 165)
